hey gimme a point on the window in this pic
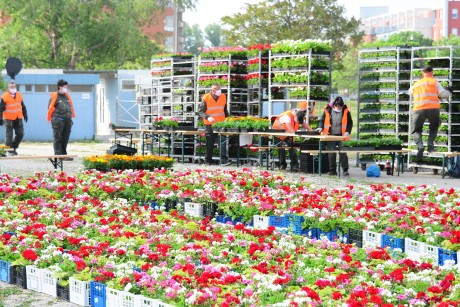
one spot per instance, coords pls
(169, 23)
(28, 88)
(455, 31)
(128, 85)
(454, 13)
(80, 88)
(40, 88)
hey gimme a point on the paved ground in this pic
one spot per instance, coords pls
(11, 296)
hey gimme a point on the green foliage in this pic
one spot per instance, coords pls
(401, 39)
(194, 40)
(214, 34)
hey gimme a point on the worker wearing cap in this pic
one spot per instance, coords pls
(12, 112)
(290, 121)
(427, 105)
(60, 113)
(336, 120)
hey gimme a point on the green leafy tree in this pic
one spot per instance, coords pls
(79, 34)
(345, 72)
(194, 39)
(214, 34)
(274, 20)
(451, 41)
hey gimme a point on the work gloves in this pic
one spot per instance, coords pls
(450, 89)
(319, 130)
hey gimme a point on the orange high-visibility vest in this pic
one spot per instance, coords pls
(279, 126)
(327, 122)
(215, 109)
(425, 94)
(13, 106)
(51, 107)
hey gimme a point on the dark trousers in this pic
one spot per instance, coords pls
(61, 134)
(210, 140)
(18, 126)
(292, 153)
(418, 119)
(343, 159)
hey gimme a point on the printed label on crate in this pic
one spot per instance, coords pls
(261, 222)
(372, 239)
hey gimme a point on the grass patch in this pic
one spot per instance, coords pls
(6, 292)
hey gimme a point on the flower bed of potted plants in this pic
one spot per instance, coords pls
(121, 162)
(165, 123)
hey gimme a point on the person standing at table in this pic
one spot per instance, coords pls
(425, 93)
(60, 113)
(213, 109)
(290, 121)
(336, 120)
(12, 111)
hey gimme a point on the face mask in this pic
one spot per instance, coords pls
(64, 90)
(337, 110)
(218, 92)
(12, 91)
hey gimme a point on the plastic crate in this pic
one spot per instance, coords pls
(210, 209)
(430, 252)
(392, 242)
(413, 249)
(63, 292)
(278, 221)
(261, 222)
(355, 236)
(295, 223)
(445, 254)
(311, 233)
(161, 304)
(48, 282)
(142, 301)
(18, 276)
(223, 219)
(79, 292)
(127, 299)
(330, 235)
(98, 294)
(193, 209)
(372, 239)
(5, 271)
(113, 297)
(33, 278)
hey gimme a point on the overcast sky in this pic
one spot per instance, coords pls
(210, 11)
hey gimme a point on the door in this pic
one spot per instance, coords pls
(102, 112)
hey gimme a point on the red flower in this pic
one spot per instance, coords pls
(29, 255)
(336, 295)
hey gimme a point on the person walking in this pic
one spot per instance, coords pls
(60, 113)
(290, 121)
(427, 105)
(12, 112)
(336, 120)
(213, 109)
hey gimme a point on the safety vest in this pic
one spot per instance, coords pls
(52, 106)
(425, 94)
(327, 122)
(215, 109)
(13, 107)
(280, 126)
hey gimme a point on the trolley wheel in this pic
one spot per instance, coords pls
(435, 171)
(415, 170)
(363, 166)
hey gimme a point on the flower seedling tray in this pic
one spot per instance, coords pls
(5, 271)
(48, 282)
(18, 276)
(372, 239)
(33, 278)
(63, 292)
(445, 254)
(355, 236)
(261, 222)
(98, 294)
(79, 292)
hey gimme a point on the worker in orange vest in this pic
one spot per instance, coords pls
(336, 120)
(213, 109)
(12, 111)
(425, 94)
(290, 121)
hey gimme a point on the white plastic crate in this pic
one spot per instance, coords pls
(413, 249)
(142, 301)
(33, 278)
(48, 282)
(261, 222)
(161, 304)
(372, 239)
(127, 299)
(79, 292)
(193, 209)
(430, 252)
(112, 297)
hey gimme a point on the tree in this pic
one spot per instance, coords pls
(414, 38)
(345, 72)
(274, 20)
(214, 34)
(194, 40)
(79, 34)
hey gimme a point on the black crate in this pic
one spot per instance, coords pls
(210, 209)
(18, 276)
(355, 236)
(62, 292)
(309, 162)
(118, 149)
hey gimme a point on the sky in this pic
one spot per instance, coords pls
(210, 11)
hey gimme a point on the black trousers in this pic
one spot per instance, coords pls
(61, 134)
(418, 119)
(18, 126)
(210, 140)
(292, 153)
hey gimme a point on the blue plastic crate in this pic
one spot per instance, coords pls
(136, 269)
(97, 294)
(330, 235)
(223, 219)
(11, 233)
(278, 221)
(311, 233)
(295, 223)
(445, 254)
(153, 205)
(393, 242)
(5, 271)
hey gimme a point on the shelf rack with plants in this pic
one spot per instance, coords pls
(298, 71)
(445, 61)
(383, 99)
(257, 78)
